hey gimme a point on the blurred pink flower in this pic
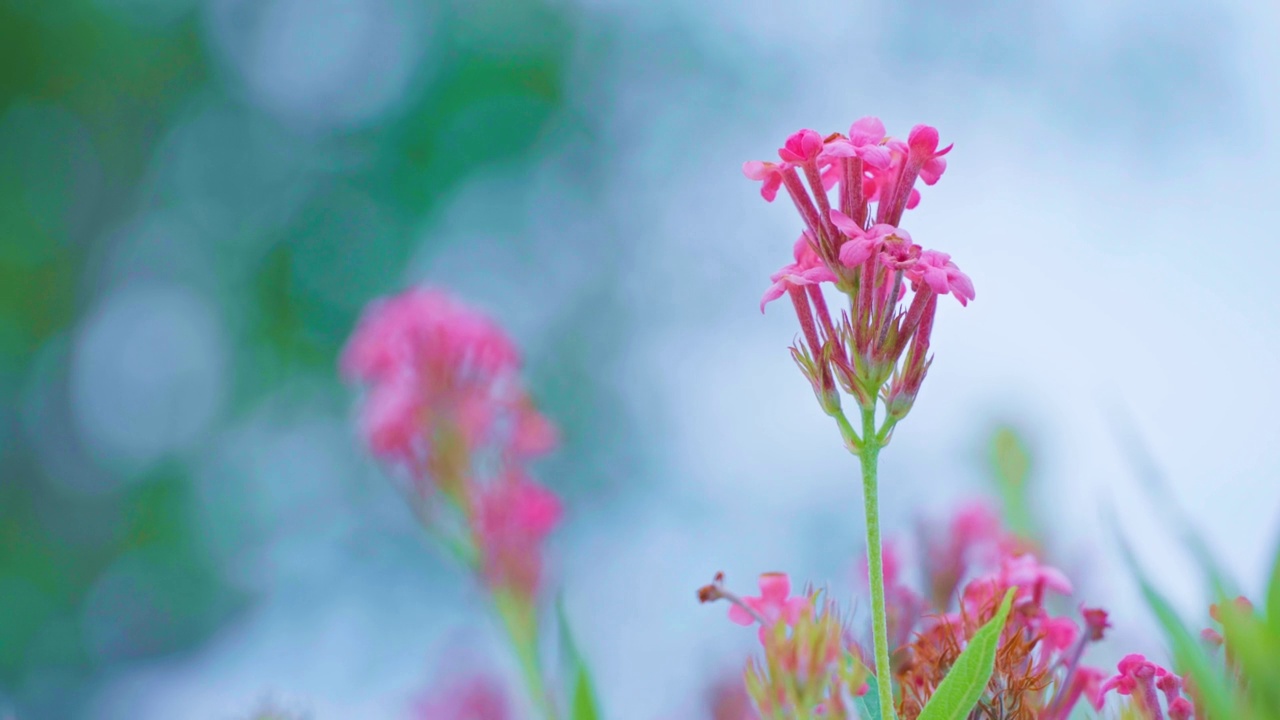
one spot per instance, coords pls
(1095, 623)
(1137, 677)
(425, 325)
(479, 697)
(513, 518)
(429, 359)
(1059, 633)
(773, 604)
(1027, 574)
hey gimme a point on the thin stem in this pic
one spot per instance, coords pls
(847, 433)
(521, 626)
(875, 561)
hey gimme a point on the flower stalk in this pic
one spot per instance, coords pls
(869, 455)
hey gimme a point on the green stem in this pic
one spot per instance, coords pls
(875, 561)
(521, 626)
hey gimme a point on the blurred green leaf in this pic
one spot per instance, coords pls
(584, 705)
(963, 686)
(869, 704)
(1011, 467)
(1273, 594)
(1255, 648)
(1207, 675)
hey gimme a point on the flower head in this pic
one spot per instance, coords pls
(445, 403)
(834, 181)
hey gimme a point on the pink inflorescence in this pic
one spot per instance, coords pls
(970, 566)
(851, 192)
(445, 404)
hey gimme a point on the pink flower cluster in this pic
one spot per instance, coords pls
(833, 182)
(810, 666)
(445, 403)
(976, 561)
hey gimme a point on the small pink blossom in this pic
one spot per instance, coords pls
(1181, 709)
(1059, 633)
(769, 174)
(1095, 623)
(1138, 677)
(923, 144)
(1089, 679)
(808, 269)
(862, 244)
(391, 419)
(803, 146)
(864, 142)
(513, 518)
(774, 603)
(937, 271)
(1027, 574)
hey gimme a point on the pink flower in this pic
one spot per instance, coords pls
(808, 269)
(802, 147)
(976, 523)
(1095, 622)
(513, 518)
(1059, 633)
(425, 324)
(923, 149)
(864, 142)
(1181, 709)
(862, 244)
(1138, 677)
(774, 603)
(770, 174)
(476, 698)
(534, 434)
(391, 419)
(937, 271)
(1089, 679)
(1027, 574)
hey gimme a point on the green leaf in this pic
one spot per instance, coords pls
(1011, 466)
(1273, 595)
(1255, 648)
(961, 689)
(584, 696)
(584, 705)
(869, 704)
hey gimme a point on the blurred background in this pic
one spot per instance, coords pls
(198, 196)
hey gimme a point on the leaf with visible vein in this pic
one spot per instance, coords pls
(961, 689)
